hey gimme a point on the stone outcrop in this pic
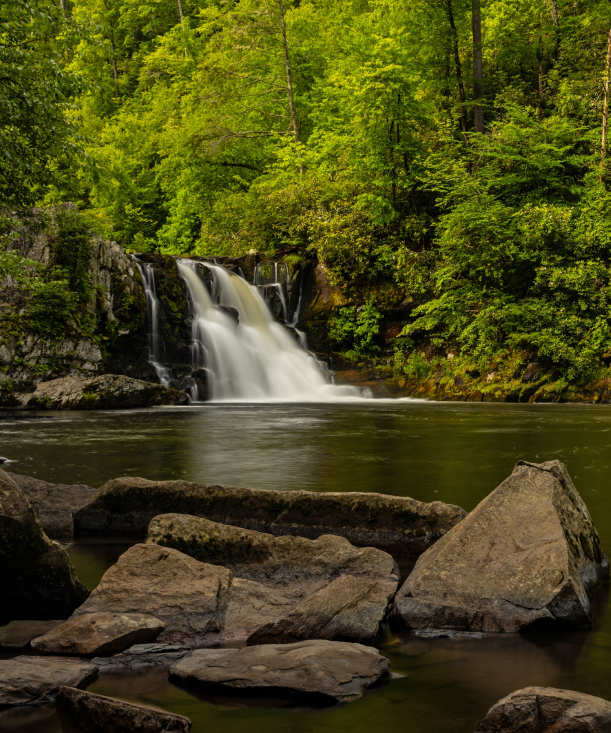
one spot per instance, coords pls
(29, 679)
(99, 633)
(54, 503)
(101, 714)
(36, 575)
(527, 554)
(105, 392)
(542, 709)
(18, 634)
(334, 670)
(142, 655)
(199, 603)
(399, 525)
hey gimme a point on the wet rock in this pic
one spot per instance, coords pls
(17, 634)
(99, 633)
(199, 603)
(143, 655)
(527, 554)
(36, 576)
(108, 391)
(541, 709)
(336, 670)
(532, 372)
(54, 503)
(31, 679)
(101, 714)
(396, 524)
(340, 591)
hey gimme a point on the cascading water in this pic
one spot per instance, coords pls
(254, 358)
(152, 316)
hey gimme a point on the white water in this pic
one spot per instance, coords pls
(152, 315)
(256, 359)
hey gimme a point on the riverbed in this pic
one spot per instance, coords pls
(452, 452)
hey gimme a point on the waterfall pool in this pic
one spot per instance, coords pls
(453, 452)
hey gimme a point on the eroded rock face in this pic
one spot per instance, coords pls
(29, 679)
(108, 391)
(36, 576)
(99, 633)
(528, 553)
(199, 603)
(395, 524)
(336, 670)
(101, 714)
(540, 709)
(340, 591)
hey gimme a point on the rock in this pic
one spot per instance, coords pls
(54, 503)
(200, 603)
(396, 524)
(101, 714)
(3, 460)
(20, 633)
(532, 372)
(36, 576)
(108, 391)
(29, 679)
(142, 655)
(340, 591)
(543, 709)
(336, 670)
(527, 554)
(99, 633)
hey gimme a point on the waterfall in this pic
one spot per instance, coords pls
(155, 342)
(252, 357)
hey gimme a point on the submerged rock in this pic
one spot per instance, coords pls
(105, 392)
(340, 591)
(36, 576)
(18, 634)
(101, 714)
(28, 679)
(143, 655)
(540, 709)
(396, 524)
(336, 670)
(527, 554)
(99, 633)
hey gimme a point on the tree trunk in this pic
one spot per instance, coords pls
(114, 64)
(289, 81)
(603, 148)
(182, 21)
(457, 64)
(478, 73)
(555, 12)
(62, 4)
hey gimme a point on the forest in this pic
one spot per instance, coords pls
(447, 156)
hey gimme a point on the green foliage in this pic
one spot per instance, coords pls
(356, 329)
(52, 307)
(71, 251)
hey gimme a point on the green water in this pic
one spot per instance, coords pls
(452, 452)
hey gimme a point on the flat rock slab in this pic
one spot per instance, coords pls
(541, 709)
(30, 679)
(142, 655)
(101, 714)
(339, 671)
(398, 525)
(527, 554)
(99, 633)
(18, 634)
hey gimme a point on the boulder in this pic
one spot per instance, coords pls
(99, 633)
(333, 670)
(104, 392)
(542, 709)
(101, 714)
(29, 679)
(199, 603)
(20, 633)
(54, 503)
(396, 524)
(340, 591)
(36, 576)
(527, 555)
(142, 655)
